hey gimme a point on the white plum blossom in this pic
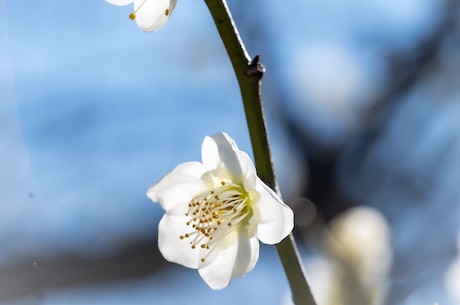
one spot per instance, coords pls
(217, 211)
(150, 15)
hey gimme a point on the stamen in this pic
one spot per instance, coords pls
(132, 16)
(213, 214)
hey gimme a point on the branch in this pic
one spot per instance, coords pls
(249, 74)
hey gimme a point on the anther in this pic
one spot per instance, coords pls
(209, 212)
(132, 16)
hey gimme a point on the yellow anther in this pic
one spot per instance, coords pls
(167, 12)
(132, 16)
(214, 213)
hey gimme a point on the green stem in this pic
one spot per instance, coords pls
(249, 74)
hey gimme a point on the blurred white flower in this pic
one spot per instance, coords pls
(452, 276)
(150, 15)
(361, 236)
(216, 213)
(358, 259)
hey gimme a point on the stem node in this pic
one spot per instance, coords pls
(256, 68)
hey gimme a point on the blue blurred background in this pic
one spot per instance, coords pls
(363, 104)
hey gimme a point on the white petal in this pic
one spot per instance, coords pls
(172, 5)
(173, 248)
(248, 254)
(179, 186)
(276, 220)
(220, 151)
(120, 2)
(233, 257)
(153, 14)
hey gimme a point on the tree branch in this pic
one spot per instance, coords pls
(249, 74)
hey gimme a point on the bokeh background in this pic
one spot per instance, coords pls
(362, 100)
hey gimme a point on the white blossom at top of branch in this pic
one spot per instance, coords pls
(217, 211)
(150, 15)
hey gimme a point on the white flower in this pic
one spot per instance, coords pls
(216, 213)
(150, 15)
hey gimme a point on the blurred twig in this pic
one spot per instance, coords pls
(33, 277)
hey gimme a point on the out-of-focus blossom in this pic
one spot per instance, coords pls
(216, 213)
(359, 242)
(452, 278)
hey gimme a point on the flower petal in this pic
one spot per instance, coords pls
(220, 151)
(276, 219)
(179, 186)
(153, 14)
(172, 5)
(120, 2)
(233, 257)
(173, 248)
(247, 256)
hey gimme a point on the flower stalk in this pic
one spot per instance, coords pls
(249, 74)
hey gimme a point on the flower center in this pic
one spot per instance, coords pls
(212, 215)
(132, 16)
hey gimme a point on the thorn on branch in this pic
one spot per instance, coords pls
(255, 68)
